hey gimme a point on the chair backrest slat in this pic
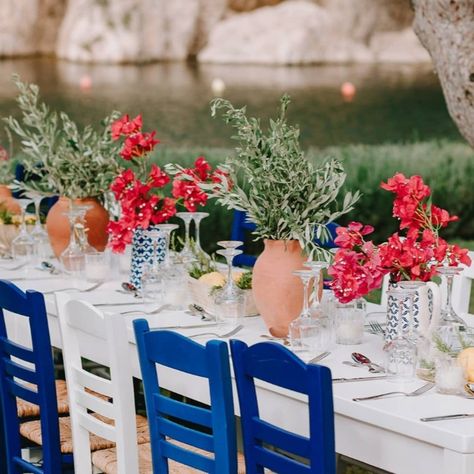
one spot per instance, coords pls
(169, 407)
(91, 381)
(23, 392)
(293, 443)
(173, 350)
(21, 372)
(27, 306)
(171, 451)
(186, 435)
(271, 447)
(78, 322)
(98, 427)
(95, 404)
(17, 350)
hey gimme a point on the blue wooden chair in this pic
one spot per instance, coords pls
(16, 374)
(241, 227)
(171, 420)
(275, 364)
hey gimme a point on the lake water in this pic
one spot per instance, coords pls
(393, 103)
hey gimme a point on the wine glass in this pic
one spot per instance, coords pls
(316, 268)
(81, 229)
(73, 257)
(23, 245)
(400, 351)
(186, 252)
(230, 299)
(304, 319)
(198, 217)
(40, 236)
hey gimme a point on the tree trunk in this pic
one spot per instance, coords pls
(446, 29)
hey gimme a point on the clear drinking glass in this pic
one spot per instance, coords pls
(296, 328)
(349, 324)
(198, 217)
(401, 351)
(97, 266)
(73, 257)
(230, 299)
(42, 245)
(186, 252)
(450, 377)
(23, 245)
(152, 277)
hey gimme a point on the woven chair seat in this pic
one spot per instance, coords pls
(106, 460)
(31, 430)
(27, 409)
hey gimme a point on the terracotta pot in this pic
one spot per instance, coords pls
(57, 224)
(278, 293)
(7, 200)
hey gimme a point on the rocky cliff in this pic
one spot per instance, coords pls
(217, 31)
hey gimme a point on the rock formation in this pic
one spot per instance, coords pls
(217, 31)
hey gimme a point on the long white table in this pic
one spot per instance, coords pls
(385, 433)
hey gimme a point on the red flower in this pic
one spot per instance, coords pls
(125, 126)
(122, 182)
(164, 210)
(202, 168)
(352, 235)
(157, 177)
(138, 145)
(440, 217)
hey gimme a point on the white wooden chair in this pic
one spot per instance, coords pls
(81, 325)
(461, 296)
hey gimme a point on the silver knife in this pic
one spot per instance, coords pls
(359, 379)
(119, 304)
(448, 417)
(319, 357)
(192, 326)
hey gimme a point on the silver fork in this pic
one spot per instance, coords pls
(155, 311)
(226, 334)
(376, 328)
(91, 288)
(418, 391)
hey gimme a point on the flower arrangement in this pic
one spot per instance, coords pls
(270, 178)
(413, 253)
(140, 188)
(60, 158)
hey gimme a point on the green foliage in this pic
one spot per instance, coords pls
(60, 158)
(285, 194)
(448, 167)
(245, 281)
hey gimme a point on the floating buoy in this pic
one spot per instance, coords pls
(85, 82)
(218, 86)
(348, 91)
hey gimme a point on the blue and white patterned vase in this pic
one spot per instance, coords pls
(425, 311)
(142, 254)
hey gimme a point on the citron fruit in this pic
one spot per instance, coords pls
(466, 359)
(213, 279)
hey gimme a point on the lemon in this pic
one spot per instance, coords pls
(466, 359)
(213, 279)
(236, 276)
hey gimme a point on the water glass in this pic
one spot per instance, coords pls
(450, 377)
(151, 284)
(349, 324)
(174, 288)
(314, 338)
(400, 359)
(97, 266)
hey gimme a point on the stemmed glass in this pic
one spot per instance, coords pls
(230, 298)
(23, 245)
(299, 326)
(166, 230)
(42, 245)
(316, 268)
(73, 257)
(401, 352)
(198, 217)
(186, 253)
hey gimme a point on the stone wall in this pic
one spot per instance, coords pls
(216, 31)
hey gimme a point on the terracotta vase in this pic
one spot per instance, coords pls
(278, 293)
(7, 200)
(57, 224)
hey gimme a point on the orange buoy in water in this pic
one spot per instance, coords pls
(348, 91)
(85, 82)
